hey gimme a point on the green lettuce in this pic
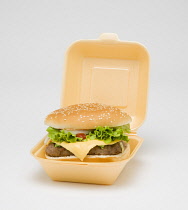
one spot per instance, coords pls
(59, 136)
(106, 134)
(125, 128)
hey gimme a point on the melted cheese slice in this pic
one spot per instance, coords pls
(81, 149)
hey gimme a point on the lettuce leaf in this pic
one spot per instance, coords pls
(59, 136)
(106, 134)
(126, 128)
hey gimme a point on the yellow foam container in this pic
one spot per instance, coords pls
(106, 71)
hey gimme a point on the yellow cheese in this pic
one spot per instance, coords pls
(81, 149)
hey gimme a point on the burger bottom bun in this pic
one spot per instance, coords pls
(96, 158)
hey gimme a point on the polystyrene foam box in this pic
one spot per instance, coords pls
(107, 71)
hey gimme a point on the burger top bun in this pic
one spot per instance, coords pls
(87, 116)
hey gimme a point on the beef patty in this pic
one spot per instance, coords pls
(113, 149)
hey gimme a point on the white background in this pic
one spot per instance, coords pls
(33, 38)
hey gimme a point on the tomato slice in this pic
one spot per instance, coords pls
(81, 135)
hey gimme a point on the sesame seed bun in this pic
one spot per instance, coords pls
(87, 116)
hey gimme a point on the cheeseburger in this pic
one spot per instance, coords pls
(87, 132)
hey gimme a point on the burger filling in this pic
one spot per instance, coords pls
(106, 134)
(54, 151)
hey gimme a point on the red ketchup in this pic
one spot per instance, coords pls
(81, 135)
